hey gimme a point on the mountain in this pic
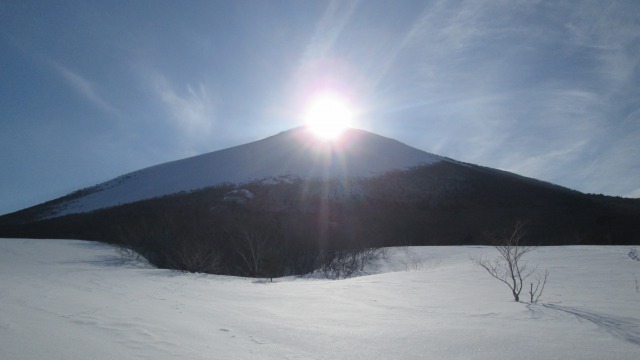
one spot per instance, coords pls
(293, 153)
(302, 198)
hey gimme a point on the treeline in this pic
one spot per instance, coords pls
(281, 229)
(295, 226)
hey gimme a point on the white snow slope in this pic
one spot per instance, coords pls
(62, 299)
(295, 152)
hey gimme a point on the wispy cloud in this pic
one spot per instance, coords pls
(192, 110)
(546, 90)
(84, 87)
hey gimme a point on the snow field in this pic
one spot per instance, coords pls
(64, 299)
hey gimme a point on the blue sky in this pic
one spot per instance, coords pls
(90, 90)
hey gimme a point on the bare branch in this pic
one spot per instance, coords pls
(534, 294)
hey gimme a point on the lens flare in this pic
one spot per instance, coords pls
(329, 115)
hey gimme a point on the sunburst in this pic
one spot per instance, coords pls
(329, 115)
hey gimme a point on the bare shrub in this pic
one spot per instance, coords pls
(197, 257)
(128, 247)
(339, 264)
(342, 264)
(410, 261)
(508, 267)
(128, 254)
(368, 256)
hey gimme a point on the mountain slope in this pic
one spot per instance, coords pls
(364, 189)
(295, 152)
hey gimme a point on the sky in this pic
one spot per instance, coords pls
(91, 90)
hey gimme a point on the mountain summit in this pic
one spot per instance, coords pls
(296, 153)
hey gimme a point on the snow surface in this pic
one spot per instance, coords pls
(64, 299)
(295, 152)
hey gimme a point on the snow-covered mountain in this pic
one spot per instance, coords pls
(442, 202)
(296, 152)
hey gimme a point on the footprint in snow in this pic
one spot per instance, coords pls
(227, 330)
(257, 341)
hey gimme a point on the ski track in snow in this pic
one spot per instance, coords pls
(625, 328)
(64, 299)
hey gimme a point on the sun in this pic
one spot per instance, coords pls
(329, 115)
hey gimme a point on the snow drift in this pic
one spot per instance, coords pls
(65, 299)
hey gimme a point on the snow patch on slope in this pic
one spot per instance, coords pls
(293, 153)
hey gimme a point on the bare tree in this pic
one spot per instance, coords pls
(252, 247)
(508, 267)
